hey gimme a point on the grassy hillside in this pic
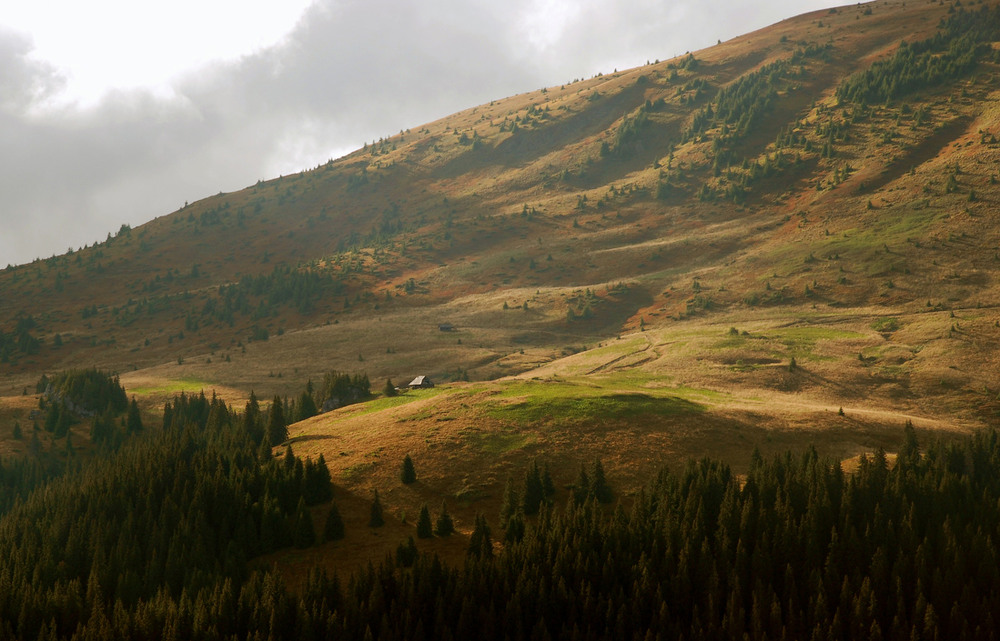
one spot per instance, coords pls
(785, 238)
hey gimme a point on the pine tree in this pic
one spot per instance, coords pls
(376, 519)
(444, 525)
(406, 553)
(334, 528)
(408, 474)
(389, 389)
(581, 489)
(480, 543)
(277, 429)
(252, 423)
(133, 424)
(306, 407)
(514, 531)
(303, 533)
(599, 484)
(510, 505)
(534, 493)
(424, 528)
(548, 487)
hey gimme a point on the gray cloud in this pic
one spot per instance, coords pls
(351, 71)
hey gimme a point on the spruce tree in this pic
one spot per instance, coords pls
(424, 528)
(534, 493)
(480, 543)
(510, 505)
(133, 424)
(303, 533)
(334, 528)
(444, 525)
(599, 484)
(548, 487)
(514, 531)
(406, 553)
(252, 423)
(389, 389)
(376, 519)
(306, 407)
(277, 430)
(581, 489)
(408, 474)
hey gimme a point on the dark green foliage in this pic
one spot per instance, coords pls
(406, 553)
(534, 492)
(548, 487)
(303, 531)
(334, 528)
(306, 407)
(739, 106)
(376, 519)
(952, 52)
(153, 541)
(252, 421)
(581, 488)
(316, 484)
(89, 390)
(389, 390)
(277, 429)
(18, 435)
(480, 543)
(510, 504)
(514, 531)
(133, 422)
(343, 389)
(257, 297)
(20, 342)
(407, 474)
(444, 526)
(178, 511)
(599, 487)
(424, 528)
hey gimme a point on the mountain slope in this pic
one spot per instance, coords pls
(756, 184)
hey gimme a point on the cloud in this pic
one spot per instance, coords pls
(350, 72)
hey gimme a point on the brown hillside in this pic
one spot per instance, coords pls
(729, 188)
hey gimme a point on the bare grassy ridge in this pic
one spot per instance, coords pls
(597, 312)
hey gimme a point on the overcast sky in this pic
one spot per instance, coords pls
(117, 111)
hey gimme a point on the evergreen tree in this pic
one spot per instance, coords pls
(303, 533)
(406, 553)
(548, 487)
(510, 503)
(599, 484)
(376, 519)
(277, 429)
(514, 531)
(306, 407)
(389, 390)
(444, 526)
(424, 528)
(581, 489)
(253, 424)
(133, 423)
(480, 543)
(334, 528)
(408, 474)
(534, 492)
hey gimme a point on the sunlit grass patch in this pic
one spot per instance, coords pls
(589, 407)
(174, 386)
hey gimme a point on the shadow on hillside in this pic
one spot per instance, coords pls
(528, 145)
